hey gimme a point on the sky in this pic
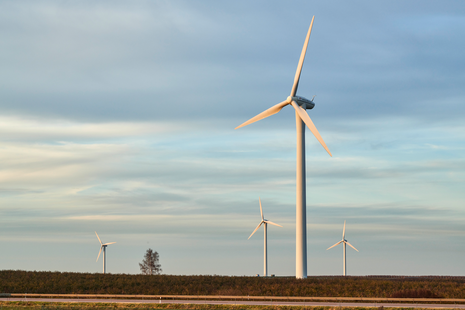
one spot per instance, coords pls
(119, 116)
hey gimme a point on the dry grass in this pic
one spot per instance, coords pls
(22, 305)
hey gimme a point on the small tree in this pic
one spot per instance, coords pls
(150, 264)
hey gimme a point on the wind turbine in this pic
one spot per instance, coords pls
(265, 222)
(299, 104)
(104, 247)
(344, 241)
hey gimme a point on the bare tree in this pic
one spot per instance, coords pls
(150, 265)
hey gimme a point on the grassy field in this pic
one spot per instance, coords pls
(111, 306)
(12, 281)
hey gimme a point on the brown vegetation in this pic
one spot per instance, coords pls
(420, 293)
(124, 306)
(86, 283)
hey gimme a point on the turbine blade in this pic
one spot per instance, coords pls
(333, 245)
(99, 253)
(256, 229)
(98, 238)
(270, 222)
(344, 231)
(109, 243)
(304, 116)
(301, 61)
(273, 110)
(261, 211)
(351, 246)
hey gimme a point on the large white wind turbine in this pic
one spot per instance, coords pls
(265, 222)
(344, 241)
(300, 104)
(104, 247)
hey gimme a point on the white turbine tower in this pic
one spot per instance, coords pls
(104, 247)
(344, 241)
(265, 222)
(300, 104)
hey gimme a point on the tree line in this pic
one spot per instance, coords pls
(17, 281)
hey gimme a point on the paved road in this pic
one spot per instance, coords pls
(244, 302)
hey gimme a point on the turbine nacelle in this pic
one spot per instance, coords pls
(304, 102)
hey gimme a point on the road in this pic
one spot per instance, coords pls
(243, 302)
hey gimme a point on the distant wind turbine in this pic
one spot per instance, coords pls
(104, 247)
(344, 241)
(300, 104)
(264, 222)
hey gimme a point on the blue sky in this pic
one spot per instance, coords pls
(119, 116)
